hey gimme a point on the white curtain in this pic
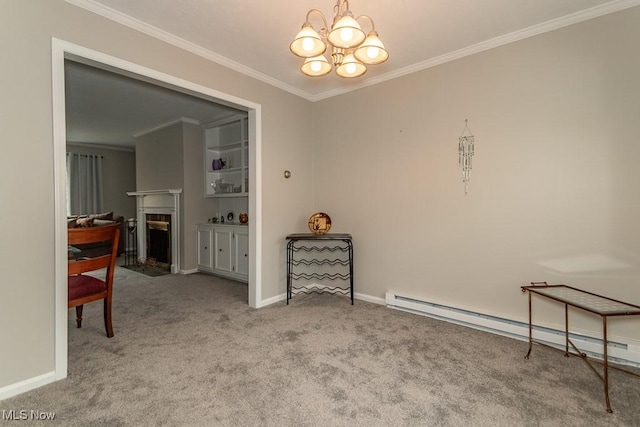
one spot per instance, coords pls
(84, 184)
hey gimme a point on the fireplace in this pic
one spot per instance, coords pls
(159, 227)
(159, 239)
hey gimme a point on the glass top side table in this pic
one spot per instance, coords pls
(593, 303)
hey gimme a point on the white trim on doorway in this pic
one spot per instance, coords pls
(62, 50)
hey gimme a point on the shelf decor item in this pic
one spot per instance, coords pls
(465, 155)
(244, 218)
(319, 223)
(217, 164)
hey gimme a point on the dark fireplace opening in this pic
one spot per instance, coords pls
(159, 239)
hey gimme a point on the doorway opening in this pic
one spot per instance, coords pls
(62, 51)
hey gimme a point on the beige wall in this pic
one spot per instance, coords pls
(119, 170)
(27, 167)
(159, 159)
(555, 124)
(553, 193)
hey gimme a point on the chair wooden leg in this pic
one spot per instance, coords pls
(107, 317)
(79, 315)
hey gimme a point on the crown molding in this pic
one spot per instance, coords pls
(105, 146)
(108, 146)
(166, 125)
(554, 24)
(150, 30)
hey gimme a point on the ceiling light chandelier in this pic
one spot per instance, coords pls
(351, 50)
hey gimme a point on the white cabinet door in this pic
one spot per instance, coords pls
(223, 249)
(205, 248)
(242, 252)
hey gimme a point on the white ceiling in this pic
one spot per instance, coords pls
(107, 108)
(253, 36)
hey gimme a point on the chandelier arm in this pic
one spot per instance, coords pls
(373, 26)
(324, 20)
(339, 9)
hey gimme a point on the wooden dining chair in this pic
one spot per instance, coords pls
(84, 288)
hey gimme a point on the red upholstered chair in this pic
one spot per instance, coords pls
(83, 288)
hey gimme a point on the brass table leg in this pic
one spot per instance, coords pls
(566, 330)
(606, 363)
(530, 330)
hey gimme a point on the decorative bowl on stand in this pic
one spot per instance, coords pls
(319, 223)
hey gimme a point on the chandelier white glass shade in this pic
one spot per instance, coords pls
(350, 48)
(346, 32)
(316, 66)
(351, 67)
(308, 42)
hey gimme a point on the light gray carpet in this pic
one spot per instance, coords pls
(189, 351)
(149, 270)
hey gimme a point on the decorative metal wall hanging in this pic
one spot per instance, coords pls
(465, 155)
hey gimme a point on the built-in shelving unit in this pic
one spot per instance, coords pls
(226, 157)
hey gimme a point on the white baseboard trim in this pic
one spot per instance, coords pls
(356, 295)
(27, 385)
(619, 352)
(272, 300)
(190, 271)
(369, 298)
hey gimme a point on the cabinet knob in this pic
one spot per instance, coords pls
(220, 249)
(205, 248)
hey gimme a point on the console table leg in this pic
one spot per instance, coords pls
(530, 329)
(566, 330)
(350, 245)
(606, 363)
(289, 259)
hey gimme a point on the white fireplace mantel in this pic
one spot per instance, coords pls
(165, 202)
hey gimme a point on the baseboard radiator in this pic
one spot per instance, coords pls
(619, 352)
